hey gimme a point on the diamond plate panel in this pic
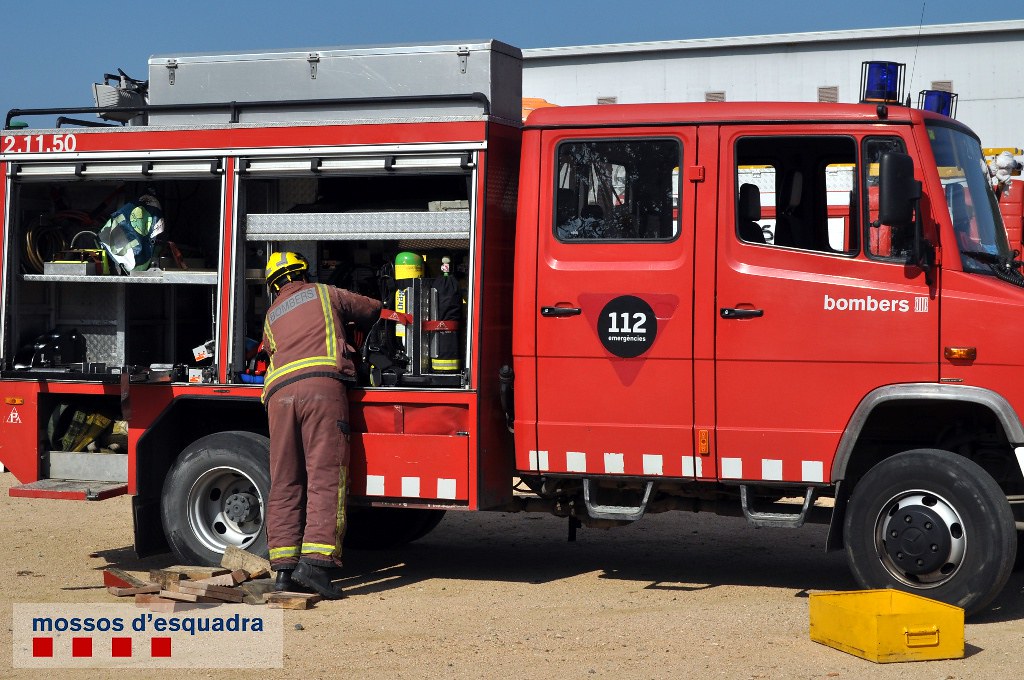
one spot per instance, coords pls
(449, 224)
(97, 311)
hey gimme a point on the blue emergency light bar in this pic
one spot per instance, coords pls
(881, 82)
(938, 101)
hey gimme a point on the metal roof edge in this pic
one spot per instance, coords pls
(340, 50)
(538, 53)
(671, 113)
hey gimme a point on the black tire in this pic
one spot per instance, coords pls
(955, 541)
(382, 528)
(215, 495)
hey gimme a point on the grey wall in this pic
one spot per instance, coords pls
(983, 61)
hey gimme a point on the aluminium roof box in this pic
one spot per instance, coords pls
(340, 83)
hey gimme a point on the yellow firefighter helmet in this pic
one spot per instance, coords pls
(281, 268)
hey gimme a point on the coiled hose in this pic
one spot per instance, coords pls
(44, 241)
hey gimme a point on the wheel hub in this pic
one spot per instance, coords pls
(225, 507)
(918, 540)
(241, 507)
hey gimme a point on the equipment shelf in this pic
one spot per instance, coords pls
(451, 225)
(165, 276)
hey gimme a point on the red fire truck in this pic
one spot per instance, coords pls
(625, 339)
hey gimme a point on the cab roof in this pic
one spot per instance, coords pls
(722, 112)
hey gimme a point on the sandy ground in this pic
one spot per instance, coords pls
(490, 595)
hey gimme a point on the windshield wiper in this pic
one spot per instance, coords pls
(991, 258)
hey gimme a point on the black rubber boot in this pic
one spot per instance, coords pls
(286, 584)
(317, 578)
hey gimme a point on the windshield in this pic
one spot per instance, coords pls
(972, 205)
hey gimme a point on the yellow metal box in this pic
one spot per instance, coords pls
(887, 625)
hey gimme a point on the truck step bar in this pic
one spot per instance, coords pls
(785, 520)
(69, 489)
(625, 513)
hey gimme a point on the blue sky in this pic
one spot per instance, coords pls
(53, 49)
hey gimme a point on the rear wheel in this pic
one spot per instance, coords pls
(380, 528)
(215, 496)
(932, 523)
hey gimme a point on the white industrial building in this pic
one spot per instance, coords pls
(979, 61)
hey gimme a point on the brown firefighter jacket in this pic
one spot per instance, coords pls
(304, 332)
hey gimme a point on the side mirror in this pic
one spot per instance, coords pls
(898, 191)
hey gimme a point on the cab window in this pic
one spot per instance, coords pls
(797, 192)
(617, 190)
(883, 241)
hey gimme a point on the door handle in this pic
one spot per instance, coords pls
(733, 313)
(559, 311)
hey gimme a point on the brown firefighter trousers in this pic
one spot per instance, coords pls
(309, 458)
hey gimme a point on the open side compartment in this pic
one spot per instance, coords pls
(83, 448)
(74, 310)
(396, 228)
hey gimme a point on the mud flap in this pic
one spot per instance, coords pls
(149, 531)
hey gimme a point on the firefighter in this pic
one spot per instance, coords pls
(304, 392)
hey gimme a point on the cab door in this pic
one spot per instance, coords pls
(814, 312)
(614, 310)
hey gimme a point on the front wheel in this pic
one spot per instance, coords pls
(933, 523)
(215, 495)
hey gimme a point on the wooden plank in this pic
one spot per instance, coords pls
(162, 605)
(204, 588)
(216, 592)
(143, 599)
(178, 596)
(233, 579)
(236, 558)
(163, 578)
(261, 586)
(118, 578)
(186, 571)
(142, 590)
(286, 600)
(257, 591)
(187, 597)
(235, 598)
